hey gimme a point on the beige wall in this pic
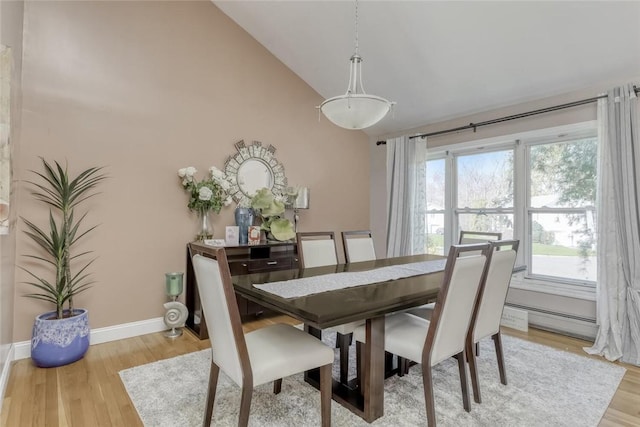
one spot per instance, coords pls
(145, 88)
(11, 14)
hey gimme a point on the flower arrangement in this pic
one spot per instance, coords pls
(210, 194)
(270, 207)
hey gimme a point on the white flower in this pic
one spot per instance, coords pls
(205, 193)
(190, 172)
(182, 172)
(227, 201)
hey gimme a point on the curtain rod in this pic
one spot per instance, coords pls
(474, 126)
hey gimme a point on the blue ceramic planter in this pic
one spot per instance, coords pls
(58, 342)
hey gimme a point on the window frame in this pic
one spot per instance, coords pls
(522, 222)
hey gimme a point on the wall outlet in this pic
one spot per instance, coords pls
(516, 319)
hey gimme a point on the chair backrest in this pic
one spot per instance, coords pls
(218, 301)
(358, 246)
(317, 249)
(456, 300)
(493, 293)
(471, 237)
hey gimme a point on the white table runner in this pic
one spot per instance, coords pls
(330, 282)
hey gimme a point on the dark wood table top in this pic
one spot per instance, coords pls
(336, 307)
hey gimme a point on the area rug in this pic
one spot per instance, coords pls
(546, 387)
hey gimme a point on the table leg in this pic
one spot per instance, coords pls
(367, 402)
(373, 381)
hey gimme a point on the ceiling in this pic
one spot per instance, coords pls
(444, 59)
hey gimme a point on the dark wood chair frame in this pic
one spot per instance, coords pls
(497, 338)
(427, 378)
(488, 234)
(247, 379)
(347, 235)
(343, 341)
(313, 235)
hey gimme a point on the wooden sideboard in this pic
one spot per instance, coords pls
(243, 259)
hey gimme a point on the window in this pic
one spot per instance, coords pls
(435, 225)
(539, 188)
(561, 209)
(484, 186)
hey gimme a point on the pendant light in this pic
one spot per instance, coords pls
(355, 109)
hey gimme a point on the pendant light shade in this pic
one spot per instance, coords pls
(355, 109)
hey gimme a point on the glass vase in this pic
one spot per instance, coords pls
(205, 229)
(244, 218)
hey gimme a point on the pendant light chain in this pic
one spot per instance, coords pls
(356, 27)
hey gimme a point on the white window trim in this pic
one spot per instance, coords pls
(516, 142)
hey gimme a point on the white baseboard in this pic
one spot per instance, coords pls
(101, 335)
(6, 370)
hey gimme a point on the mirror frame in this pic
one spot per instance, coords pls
(255, 151)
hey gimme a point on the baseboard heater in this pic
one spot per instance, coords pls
(562, 323)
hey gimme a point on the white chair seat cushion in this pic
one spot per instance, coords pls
(278, 351)
(424, 311)
(346, 328)
(404, 335)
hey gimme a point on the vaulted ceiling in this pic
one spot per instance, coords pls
(444, 59)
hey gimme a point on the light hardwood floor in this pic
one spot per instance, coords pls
(90, 393)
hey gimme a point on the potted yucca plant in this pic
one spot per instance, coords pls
(60, 336)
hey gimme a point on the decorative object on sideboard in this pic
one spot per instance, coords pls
(205, 196)
(300, 202)
(254, 235)
(253, 167)
(269, 206)
(355, 109)
(177, 313)
(60, 337)
(244, 219)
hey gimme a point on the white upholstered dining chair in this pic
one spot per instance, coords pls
(265, 355)
(466, 238)
(430, 342)
(318, 249)
(358, 246)
(488, 311)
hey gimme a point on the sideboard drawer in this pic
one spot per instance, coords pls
(258, 265)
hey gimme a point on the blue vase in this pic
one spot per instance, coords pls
(58, 342)
(244, 218)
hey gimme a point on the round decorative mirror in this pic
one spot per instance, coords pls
(254, 167)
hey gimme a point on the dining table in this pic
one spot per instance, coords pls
(368, 303)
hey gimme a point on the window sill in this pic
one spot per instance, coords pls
(553, 288)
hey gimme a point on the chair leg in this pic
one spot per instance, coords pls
(427, 382)
(245, 406)
(326, 386)
(497, 339)
(359, 366)
(343, 342)
(211, 394)
(462, 368)
(473, 369)
(402, 366)
(277, 386)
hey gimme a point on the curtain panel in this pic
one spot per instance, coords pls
(406, 196)
(618, 207)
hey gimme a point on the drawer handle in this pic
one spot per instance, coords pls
(272, 263)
